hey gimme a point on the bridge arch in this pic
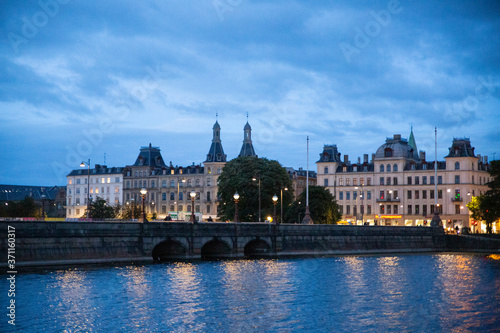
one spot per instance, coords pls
(257, 247)
(168, 249)
(216, 248)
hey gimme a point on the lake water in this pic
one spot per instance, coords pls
(400, 293)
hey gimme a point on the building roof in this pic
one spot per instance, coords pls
(396, 147)
(247, 147)
(216, 152)
(150, 156)
(461, 147)
(98, 170)
(329, 154)
(19, 192)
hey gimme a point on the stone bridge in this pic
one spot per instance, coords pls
(42, 242)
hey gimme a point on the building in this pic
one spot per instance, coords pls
(398, 186)
(50, 199)
(299, 180)
(247, 146)
(102, 182)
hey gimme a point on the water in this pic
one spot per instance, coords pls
(407, 293)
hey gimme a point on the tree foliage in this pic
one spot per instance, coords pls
(322, 207)
(99, 209)
(237, 176)
(486, 207)
(24, 208)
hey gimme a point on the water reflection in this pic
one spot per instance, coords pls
(420, 293)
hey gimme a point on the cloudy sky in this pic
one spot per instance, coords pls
(81, 79)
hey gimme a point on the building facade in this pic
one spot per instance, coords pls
(299, 180)
(102, 182)
(399, 186)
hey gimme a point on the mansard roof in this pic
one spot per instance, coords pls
(216, 153)
(19, 192)
(461, 147)
(329, 154)
(98, 170)
(150, 156)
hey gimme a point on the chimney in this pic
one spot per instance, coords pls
(359, 160)
(397, 136)
(365, 158)
(422, 155)
(479, 158)
(486, 160)
(346, 159)
(373, 157)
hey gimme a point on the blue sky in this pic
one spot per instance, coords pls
(80, 79)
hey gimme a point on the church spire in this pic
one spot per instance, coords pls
(411, 141)
(247, 147)
(216, 152)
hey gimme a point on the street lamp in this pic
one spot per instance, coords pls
(192, 195)
(361, 195)
(88, 185)
(143, 195)
(43, 207)
(286, 189)
(236, 196)
(275, 201)
(255, 179)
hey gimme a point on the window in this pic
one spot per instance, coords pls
(197, 208)
(409, 194)
(348, 209)
(381, 180)
(172, 183)
(409, 209)
(325, 182)
(341, 210)
(117, 179)
(354, 195)
(208, 209)
(181, 208)
(440, 179)
(209, 182)
(395, 167)
(412, 167)
(440, 194)
(348, 195)
(432, 180)
(395, 210)
(172, 196)
(424, 180)
(78, 190)
(431, 195)
(382, 195)
(341, 195)
(208, 196)
(189, 183)
(457, 166)
(424, 194)
(388, 180)
(388, 152)
(389, 209)
(417, 209)
(381, 168)
(472, 179)
(369, 211)
(135, 183)
(361, 181)
(417, 194)
(78, 181)
(396, 195)
(457, 179)
(368, 195)
(164, 183)
(382, 209)
(326, 170)
(197, 182)
(368, 181)
(70, 181)
(409, 180)
(188, 208)
(348, 181)
(395, 180)
(424, 210)
(388, 168)
(355, 181)
(181, 196)
(424, 166)
(417, 180)
(341, 181)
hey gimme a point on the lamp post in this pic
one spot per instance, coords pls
(361, 207)
(88, 185)
(281, 196)
(143, 195)
(132, 206)
(236, 196)
(43, 207)
(177, 202)
(255, 179)
(192, 195)
(275, 201)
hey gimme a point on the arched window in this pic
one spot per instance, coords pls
(395, 167)
(388, 168)
(457, 166)
(381, 168)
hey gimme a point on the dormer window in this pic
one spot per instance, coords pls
(388, 152)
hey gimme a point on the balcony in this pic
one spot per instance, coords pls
(388, 200)
(456, 199)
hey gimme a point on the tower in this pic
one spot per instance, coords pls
(247, 147)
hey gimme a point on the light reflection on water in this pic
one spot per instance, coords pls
(419, 293)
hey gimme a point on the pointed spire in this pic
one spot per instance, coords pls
(216, 152)
(412, 143)
(247, 147)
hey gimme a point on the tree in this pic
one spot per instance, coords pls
(486, 207)
(322, 206)
(237, 176)
(99, 209)
(126, 212)
(24, 208)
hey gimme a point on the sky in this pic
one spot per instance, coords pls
(97, 80)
